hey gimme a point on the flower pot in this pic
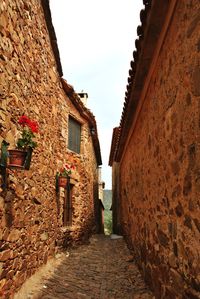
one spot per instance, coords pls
(17, 158)
(62, 181)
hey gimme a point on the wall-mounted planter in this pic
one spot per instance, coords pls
(20, 158)
(63, 181)
(17, 158)
(63, 177)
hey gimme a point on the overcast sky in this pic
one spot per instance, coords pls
(96, 39)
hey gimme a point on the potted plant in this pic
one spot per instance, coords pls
(63, 175)
(25, 144)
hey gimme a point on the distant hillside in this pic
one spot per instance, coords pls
(107, 199)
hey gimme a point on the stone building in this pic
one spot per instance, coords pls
(116, 220)
(155, 151)
(35, 219)
(100, 217)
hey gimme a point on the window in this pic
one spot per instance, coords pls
(74, 135)
(67, 208)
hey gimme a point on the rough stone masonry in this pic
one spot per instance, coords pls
(159, 166)
(31, 214)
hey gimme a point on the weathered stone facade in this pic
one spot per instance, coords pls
(159, 163)
(116, 219)
(116, 225)
(31, 224)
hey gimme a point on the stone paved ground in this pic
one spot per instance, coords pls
(101, 270)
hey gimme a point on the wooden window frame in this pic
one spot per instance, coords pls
(74, 135)
(67, 206)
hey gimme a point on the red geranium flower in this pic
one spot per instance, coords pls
(29, 128)
(66, 170)
(24, 120)
(33, 125)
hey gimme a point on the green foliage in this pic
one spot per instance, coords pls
(107, 201)
(66, 170)
(108, 222)
(26, 139)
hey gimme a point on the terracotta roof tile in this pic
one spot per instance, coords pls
(152, 19)
(114, 144)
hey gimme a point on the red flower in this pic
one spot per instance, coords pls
(33, 125)
(24, 120)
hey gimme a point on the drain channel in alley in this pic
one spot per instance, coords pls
(103, 269)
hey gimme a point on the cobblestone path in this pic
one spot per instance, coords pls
(101, 270)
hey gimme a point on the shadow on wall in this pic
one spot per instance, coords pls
(9, 198)
(81, 235)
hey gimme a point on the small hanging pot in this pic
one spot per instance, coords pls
(17, 158)
(62, 181)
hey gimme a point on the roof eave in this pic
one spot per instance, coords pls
(52, 34)
(86, 114)
(153, 19)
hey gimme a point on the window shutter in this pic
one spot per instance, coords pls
(74, 135)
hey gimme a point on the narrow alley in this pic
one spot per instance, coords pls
(60, 128)
(103, 269)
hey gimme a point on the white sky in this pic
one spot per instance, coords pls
(96, 39)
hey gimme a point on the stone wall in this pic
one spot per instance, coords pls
(116, 199)
(160, 169)
(85, 177)
(31, 223)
